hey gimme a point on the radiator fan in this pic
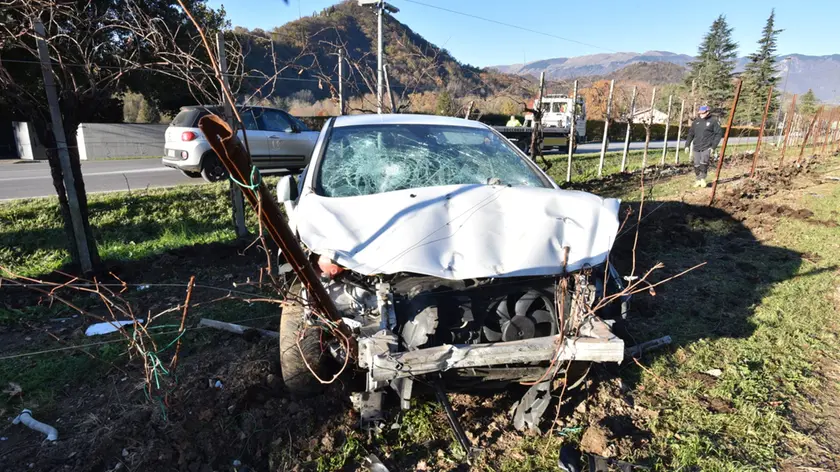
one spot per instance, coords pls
(521, 316)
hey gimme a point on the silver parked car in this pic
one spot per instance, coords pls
(277, 140)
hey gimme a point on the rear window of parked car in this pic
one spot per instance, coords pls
(186, 118)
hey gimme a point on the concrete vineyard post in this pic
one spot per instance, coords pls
(572, 133)
(629, 129)
(237, 202)
(667, 126)
(81, 241)
(605, 140)
(647, 130)
(679, 132)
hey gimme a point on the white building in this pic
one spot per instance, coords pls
(642, 116)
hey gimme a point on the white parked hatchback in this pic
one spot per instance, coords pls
(277, 140)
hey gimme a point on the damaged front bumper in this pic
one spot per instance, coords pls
(599, 344)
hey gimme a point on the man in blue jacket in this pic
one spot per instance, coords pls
(705, 132)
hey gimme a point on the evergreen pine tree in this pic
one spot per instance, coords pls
(808, 104)
(445, 105)
(714, 68)
(760, 73)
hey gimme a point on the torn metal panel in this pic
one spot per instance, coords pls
(528, 411)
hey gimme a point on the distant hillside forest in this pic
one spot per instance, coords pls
(303, 55)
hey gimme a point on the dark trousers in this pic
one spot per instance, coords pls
(701, 162)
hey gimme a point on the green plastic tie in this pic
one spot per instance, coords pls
(255, 178)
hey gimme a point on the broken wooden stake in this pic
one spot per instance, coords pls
(235, 328)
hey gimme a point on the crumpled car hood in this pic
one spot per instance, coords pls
(460, 231)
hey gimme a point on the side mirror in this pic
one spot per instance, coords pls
(287, 190)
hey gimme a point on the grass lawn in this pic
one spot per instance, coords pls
(126, 225)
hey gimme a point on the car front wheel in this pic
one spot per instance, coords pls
(302, 354)
(192, 175)
(212, 169)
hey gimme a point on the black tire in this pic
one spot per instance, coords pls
(296, 375)
(212, 169)
(190, 174)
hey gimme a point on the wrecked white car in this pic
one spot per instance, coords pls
(455, 260)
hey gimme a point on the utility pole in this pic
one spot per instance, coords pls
(341, 105)
(629, 129)
(85, 262)
(388, 86)
(605, 141)
(679, 131)
(379, 53)
(237, 203)
(381, 6)
(667, 126)
(536, 129)
(572, 132)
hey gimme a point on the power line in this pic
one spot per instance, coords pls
(266, 77)
(196, 72)
(509, 25)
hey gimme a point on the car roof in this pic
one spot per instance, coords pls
(219, 107)
(404, 119)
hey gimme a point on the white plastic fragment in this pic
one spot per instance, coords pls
(107, 327)
(25, 417)
(714, 372)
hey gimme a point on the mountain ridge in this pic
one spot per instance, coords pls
(819, 73)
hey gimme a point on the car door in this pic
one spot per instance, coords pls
(289, 148)
(257, 138)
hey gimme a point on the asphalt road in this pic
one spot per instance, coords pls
(28, 179)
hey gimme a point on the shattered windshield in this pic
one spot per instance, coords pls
(364, 160)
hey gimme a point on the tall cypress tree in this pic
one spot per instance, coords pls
(760, 73)
(715, 65)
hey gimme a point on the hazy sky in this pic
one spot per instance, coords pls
(811, 26)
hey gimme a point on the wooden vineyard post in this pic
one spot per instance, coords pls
(726, 139)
